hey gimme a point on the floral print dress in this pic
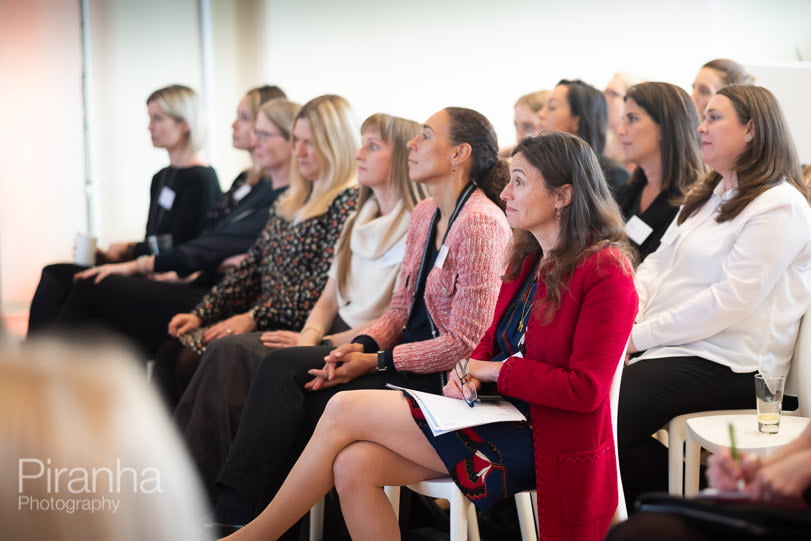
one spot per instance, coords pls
(283, 276)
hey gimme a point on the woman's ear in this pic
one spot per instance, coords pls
(575, 125)
(563, 195)
(461, 154)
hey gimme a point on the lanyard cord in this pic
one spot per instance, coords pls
(421, 275)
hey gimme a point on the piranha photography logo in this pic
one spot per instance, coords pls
(45, 486)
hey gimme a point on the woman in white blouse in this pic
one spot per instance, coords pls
(722, 297)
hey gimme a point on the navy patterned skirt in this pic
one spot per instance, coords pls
(489, 462)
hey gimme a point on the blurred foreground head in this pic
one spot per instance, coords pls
(87, 450)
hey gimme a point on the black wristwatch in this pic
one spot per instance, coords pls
(381, 362)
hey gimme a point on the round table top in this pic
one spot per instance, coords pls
(713, 432)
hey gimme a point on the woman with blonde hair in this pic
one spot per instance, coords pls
(525, 117)
(277, 285)
(138, 298)
(180, 196)
(87, 449)
(359, 288)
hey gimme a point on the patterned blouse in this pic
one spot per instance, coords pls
(285, 271)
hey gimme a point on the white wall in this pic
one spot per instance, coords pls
(41, 151)
(413, 58)
(406, 58)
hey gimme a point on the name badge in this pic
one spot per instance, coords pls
(241, 192)
(637, 230)
(167, 198)
(394, 256)
(440, 257)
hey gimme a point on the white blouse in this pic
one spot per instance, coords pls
(732, 292)
(378, 247)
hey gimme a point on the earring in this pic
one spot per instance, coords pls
(557, 213)
(747, 138)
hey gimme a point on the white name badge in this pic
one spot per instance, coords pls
(241, 192)
(637, 230)
(167, 198)
(440, 257)
(394, 256)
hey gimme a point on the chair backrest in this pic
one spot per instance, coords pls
(798, 382)
(622, 511)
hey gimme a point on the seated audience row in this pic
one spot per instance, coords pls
(445, 296)
(358, 290)
(722, 297)
(119, 298)
(277, 285)
(566, 270)
(721, 292)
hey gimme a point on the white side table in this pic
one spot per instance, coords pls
(712, 433)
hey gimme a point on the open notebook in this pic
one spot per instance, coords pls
(445, 414)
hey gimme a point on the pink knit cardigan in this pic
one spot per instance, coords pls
(460, 297)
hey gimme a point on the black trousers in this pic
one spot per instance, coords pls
(279, 417)
(654, 391)
(55, 284)
(132, 306)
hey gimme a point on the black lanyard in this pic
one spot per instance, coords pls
(421, 274)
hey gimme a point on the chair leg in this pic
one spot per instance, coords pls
(526, 516)
(393, 493)
(317, 521)
(691, 468)
(676, 433)
(472, 522)
(459, 513)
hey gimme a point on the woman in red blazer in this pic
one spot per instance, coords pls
(563, 317)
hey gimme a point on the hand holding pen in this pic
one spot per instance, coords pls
(731, 470)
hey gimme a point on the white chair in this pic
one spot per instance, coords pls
(463, 515)
(463, 523)
(713, 434)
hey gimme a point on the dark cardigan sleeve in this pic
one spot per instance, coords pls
(233, 235)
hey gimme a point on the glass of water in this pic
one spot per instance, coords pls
(769, 393)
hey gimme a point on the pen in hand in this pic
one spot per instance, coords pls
(736, 456)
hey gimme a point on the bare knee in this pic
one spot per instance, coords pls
(344, 408)
(351, 468)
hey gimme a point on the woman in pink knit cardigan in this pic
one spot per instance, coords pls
(446, 293)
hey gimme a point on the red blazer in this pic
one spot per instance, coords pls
(566, 376)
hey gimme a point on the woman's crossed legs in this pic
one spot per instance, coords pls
(365, 440)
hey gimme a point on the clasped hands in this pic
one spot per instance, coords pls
(345, 363)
